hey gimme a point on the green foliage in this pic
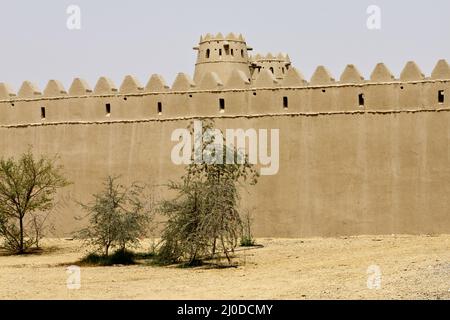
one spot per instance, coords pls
(119, 257)
(118, 217)
(203, 218)
(247, 242)
(27, 190)
(247, 239)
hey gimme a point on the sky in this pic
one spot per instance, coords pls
(142, 37)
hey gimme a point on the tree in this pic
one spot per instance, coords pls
(204, 218)
(27, 188)
(118, 216)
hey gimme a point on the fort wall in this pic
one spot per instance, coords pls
(356, 156)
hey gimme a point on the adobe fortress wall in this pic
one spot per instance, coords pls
(356, 156)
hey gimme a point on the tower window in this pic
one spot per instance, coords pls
(361, 99)
(43, 113)
(108, 109)
(242, 53)
(208, 53)
(285, 102)
(441, 96)
(159, 108)
(271, 70)
(232, 52)
(220, 52)
(222, 104)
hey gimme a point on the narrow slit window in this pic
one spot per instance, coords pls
(108, 109)
(208, 53)
(159, 107)
(43, 113)
(242, 53)
(285, 102)
(361, 99)
(220, 52)
(222, 105)
(271, 70)
(441, 96)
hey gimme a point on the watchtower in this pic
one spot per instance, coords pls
(278, 65)
(221, 55)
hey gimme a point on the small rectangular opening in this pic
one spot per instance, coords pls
(43, 113)
(222, 104)
(361, 99)
(441, 96)
(285, 102)
(108, 109)
(159, 107)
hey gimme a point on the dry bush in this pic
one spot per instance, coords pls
(203, 219)
(118, 217)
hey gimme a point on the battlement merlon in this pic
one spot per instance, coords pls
(223, 64)
(238, 79)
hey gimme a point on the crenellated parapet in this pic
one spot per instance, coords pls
(238, 80)
(229, 86)
(278, 65)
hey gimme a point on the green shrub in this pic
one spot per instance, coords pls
(247, 242)
(118, 217)
(118, 257)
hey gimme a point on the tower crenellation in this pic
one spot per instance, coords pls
(221, 54)
(278, 65)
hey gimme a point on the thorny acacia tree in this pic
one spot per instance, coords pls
(118, 216)
(27, 189)
(204, 218)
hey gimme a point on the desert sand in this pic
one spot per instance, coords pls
(412, 267)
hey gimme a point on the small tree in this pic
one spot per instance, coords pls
(118, 216)
(204, 217)
(27, 188)
(39, 225)
(247, 239)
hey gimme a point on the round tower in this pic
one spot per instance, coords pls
(278, 65)
(221, 55)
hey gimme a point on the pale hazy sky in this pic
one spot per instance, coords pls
(143, 37)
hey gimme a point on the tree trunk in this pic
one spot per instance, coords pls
(214, 248)
(21, 248)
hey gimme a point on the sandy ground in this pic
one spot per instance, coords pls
(412, 267)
